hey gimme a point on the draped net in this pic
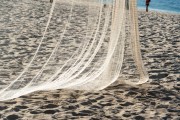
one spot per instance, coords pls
(69, 44)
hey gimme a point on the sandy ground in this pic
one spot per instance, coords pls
(158, 99)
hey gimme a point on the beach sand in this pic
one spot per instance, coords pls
(159, 99)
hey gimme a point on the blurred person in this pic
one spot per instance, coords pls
(147, 4)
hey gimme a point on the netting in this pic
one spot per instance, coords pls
(72, 44)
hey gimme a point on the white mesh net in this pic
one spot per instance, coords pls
(72, 44)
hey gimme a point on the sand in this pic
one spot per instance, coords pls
(158, 99)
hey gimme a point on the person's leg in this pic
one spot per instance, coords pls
(147, 7)
(127, 4)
